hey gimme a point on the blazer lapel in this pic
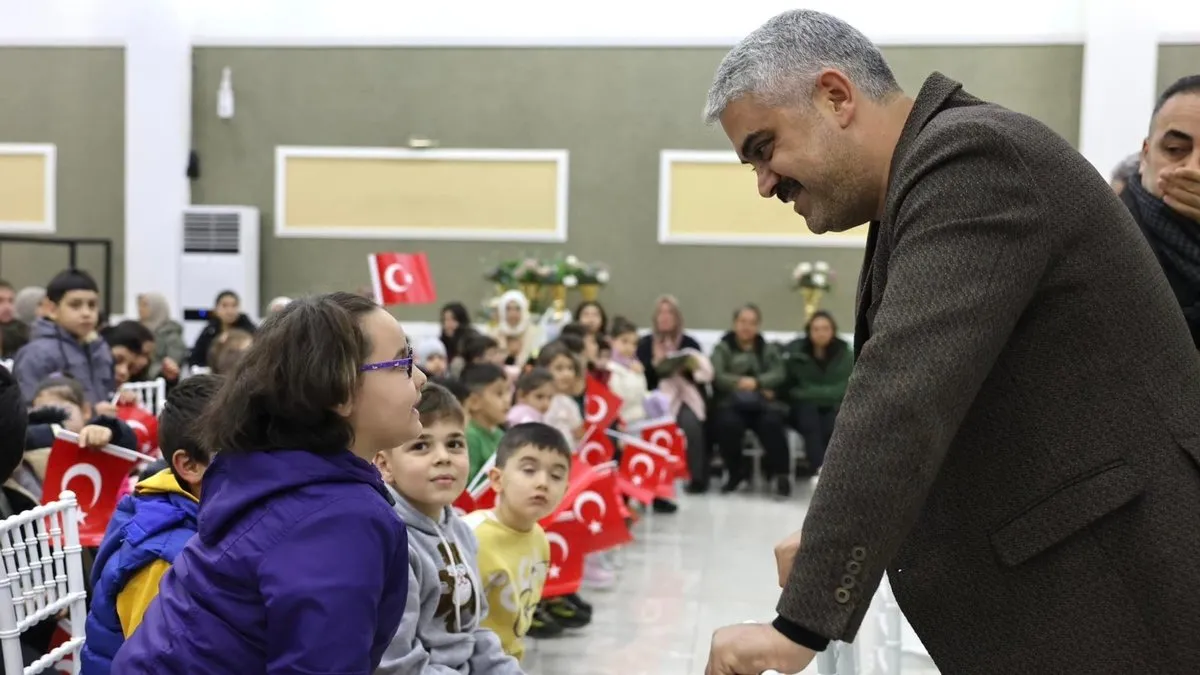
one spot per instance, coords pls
(862, 329)
(932, 98)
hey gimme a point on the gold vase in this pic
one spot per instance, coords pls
(812, 301)
(559, 293)
(589, 292)
(531, 291)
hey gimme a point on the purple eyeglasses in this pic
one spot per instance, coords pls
(406, 363)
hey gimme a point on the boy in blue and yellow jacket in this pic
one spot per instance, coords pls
(150, 527)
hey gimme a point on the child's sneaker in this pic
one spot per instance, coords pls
(543, 625)
(596, 577)
(565, 614)
(580, 604)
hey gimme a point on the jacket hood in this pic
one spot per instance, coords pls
(238, 481)
(447, 544)
(162, 483)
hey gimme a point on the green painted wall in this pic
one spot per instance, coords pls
(1176, 61)
(614, 109)
(75, 99)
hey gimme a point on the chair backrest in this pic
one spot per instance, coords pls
(42, 575)
(7, 364)
(151, 395)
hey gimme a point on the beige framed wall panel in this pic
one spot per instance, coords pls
(444, 194)
(27, 188)
(613, 108)
(1176, 61)
(711, 198)
(70, 100)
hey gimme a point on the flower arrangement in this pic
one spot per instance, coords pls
(560, 274)
(816, 276)
(812, 280)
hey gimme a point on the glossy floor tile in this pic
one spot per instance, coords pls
(709, 565)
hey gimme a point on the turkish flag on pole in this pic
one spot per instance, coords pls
(595, 448)
(601, 407)
(667, 435)
(401, 279)
(568, 539)
(94, 475)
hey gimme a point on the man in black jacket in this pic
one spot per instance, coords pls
(1164, 197)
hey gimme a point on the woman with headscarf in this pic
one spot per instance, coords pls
(170, 351)
(519, 338)
(676, 366)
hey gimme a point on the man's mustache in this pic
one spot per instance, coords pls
(787, 189)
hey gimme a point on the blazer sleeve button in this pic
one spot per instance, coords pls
(853, 567)
(842, 596)
(859, 553)
(847, 581)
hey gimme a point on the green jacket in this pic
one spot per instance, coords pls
(168, 342)
(812, 381)
(730, 363)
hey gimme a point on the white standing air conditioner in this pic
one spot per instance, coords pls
(220, 252)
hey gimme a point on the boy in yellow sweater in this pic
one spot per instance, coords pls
(530, 479)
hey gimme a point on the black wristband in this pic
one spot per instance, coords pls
(800, 635)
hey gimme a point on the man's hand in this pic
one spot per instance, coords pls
(785, 556)
(747, 384)
(1181, 191)
(750, 649)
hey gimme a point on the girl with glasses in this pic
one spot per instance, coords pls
(299, 565)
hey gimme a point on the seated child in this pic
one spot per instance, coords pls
(535, 389)
(441, 631)
(487, 398)
(628, 379)
(430, 354)
(149, 528)
(530, 479)
(227, 349)
(60, 402)
(563, 413)
(66, 342)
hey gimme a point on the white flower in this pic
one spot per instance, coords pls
(818, 279)
(570, 281)
(602, 276)
(821, 266)
(804, 268)
(572, 261)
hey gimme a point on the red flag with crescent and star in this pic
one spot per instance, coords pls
(401, 279)
(601, 407)
(567, 537)
(95, 476)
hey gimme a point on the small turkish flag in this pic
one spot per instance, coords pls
(595, 448)
(94, 475)
(568, 538)
(666, 434)
(401, 279)
(601, 407)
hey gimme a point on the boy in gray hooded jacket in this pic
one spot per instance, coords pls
(441, 631)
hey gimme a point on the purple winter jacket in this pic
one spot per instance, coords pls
(299, 566)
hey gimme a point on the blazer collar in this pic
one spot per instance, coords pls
(929, 101)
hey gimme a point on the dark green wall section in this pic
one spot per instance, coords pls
(1176, 61)
(75, 99)
(614, 109)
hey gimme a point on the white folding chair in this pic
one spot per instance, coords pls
(151, 395)
(7, 364)
(42, 576)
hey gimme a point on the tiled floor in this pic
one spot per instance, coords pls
(687, 574)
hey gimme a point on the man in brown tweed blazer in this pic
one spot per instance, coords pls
(1019, 447)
